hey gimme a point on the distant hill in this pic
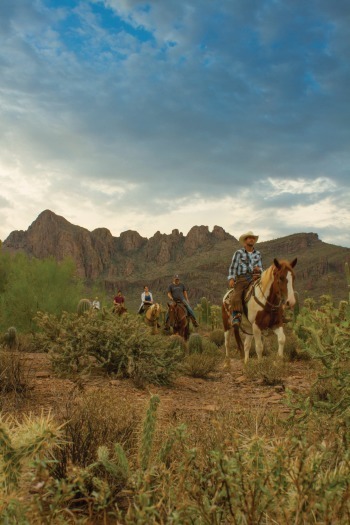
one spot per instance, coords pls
(201, 257)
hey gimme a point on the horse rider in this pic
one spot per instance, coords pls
(246, 266)
(177, 292)
(146, 300)
(119, 300)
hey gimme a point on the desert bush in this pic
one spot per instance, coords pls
(91, 420)
(195, 344)
(177, 342)
(14, 378)
(116, 345)
(203, 364)
(271, 370)
(217, 336)
(200, 365)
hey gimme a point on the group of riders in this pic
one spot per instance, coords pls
(246, 266)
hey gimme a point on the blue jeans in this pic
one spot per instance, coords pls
(188, 308)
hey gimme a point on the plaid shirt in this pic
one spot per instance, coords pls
(243, 263)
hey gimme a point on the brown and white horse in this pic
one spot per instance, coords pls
(152, 315)
(264, 303)
(178, 319)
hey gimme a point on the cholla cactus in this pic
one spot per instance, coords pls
(11, 339)
(84, 306)
(149, 426)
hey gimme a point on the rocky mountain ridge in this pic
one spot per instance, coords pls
(202, 256)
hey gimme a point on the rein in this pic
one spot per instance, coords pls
(272, 305)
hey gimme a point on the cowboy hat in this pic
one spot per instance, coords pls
(248, 234)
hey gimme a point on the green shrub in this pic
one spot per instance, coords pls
(200, 365)
(217, 336)
(272, 371)
(195, 344)
(92, 419)
(14, 377)
(117, 345)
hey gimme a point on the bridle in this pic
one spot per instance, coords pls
(177, 318)
(273, 306)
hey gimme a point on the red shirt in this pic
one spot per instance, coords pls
(119, 299)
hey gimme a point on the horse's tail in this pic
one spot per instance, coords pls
(238, 340)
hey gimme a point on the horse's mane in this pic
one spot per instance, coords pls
(267, 277)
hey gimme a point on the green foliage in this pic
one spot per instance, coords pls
(195, 344)
(13, 377)
(217, 336)
(324, 333)
(28, 285)
(91, 420)
(116, 345)
(270, 370)
(201, 365)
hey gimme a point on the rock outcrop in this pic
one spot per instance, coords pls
(201, 257)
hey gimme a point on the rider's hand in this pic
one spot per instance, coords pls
(231, 283)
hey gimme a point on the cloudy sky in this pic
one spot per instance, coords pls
(162, 114)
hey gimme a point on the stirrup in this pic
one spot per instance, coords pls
(237, 319)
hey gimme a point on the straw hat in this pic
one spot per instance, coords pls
(248, 234)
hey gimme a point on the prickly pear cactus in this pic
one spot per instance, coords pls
(84, 306)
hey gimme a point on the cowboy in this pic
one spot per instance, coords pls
(246, 266)
(146, 300)
(177, 292)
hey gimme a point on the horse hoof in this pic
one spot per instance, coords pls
(227, 363)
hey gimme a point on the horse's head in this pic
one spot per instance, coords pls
(172, 313)
(283, 282)
(153, 312)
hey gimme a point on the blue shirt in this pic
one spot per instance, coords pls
(243, 263)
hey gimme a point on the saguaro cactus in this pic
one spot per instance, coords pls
(11, 338)
(84, 306)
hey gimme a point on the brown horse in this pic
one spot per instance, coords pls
(119, 309)
(152, 315)
(264, 303)
(178, 319)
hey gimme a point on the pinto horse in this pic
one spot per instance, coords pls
(178, 319)
(263, 304)
(152, 315)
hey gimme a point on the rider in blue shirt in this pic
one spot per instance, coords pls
(246, 265)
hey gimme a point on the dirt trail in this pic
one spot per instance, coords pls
(187, 398)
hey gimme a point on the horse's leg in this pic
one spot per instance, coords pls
(258, 340)
(247, 344)
(281, 338)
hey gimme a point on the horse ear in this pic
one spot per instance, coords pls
(293, 263)
(276, 263)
